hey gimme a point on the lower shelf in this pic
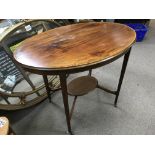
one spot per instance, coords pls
(82, 85)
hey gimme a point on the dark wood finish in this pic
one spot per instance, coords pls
(74, 46)
(90, 72)
(47, 87)
(65, 100)
(73, 106)
(82, 85)
(125, 62)
(106, 90)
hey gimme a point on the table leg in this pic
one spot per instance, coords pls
(125, 61)
(90, 72)
(63, 83)
(47, 87)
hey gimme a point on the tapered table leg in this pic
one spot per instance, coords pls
(90, 72)
(63, 83)
(125, 62)
(47, 87)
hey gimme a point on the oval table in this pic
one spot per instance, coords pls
(75, 48)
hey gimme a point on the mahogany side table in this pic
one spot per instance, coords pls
(76, 48)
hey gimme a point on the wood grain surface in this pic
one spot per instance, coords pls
(75, 45)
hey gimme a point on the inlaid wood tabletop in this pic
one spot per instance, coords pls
(75, 46)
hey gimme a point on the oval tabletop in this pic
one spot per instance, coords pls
(75, 46)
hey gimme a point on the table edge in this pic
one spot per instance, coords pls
(40, 70)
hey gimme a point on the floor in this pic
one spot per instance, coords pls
(94, 113)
